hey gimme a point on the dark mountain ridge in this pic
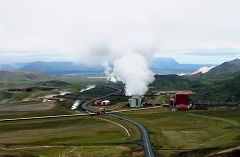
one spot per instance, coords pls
(171, 66)
(225, 68)
(58, 68)
(158, 65)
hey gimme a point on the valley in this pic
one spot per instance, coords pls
(189, 133)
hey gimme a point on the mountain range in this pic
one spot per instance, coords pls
(60, 68)
(171, 66)
(158, 66)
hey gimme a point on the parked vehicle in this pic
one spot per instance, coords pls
(101, 111)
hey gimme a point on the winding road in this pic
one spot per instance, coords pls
(146, 142)
(147, 145)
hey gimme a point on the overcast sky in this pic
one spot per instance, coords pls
(191, 31)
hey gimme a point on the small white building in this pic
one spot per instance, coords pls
(136, 101)
(105, 102)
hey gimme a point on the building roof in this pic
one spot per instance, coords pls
(185, 92)
(106, 101)
(188, 92)
(136, 96)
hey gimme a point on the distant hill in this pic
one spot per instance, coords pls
(171, 66)
(8, 67)
(225, 68)
(59, 68)
(20, 76)
(158, 66)
(11, 66)
(53, 83)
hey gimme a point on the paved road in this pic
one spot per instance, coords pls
(71, 115)
(147, 145)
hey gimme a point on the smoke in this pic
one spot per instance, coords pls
(133, 70)
(87, 88)
(128, 61)
(108, 70)
(125, 58)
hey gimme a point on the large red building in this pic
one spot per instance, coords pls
(181, 100)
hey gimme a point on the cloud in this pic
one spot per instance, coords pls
(210, 52)
(70, 29)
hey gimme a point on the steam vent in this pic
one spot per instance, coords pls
(136, 101)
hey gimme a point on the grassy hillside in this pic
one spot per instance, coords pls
(225, 68)
(219, 89)
(21, 76)
(190, 134)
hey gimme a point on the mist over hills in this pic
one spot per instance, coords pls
(158, 66)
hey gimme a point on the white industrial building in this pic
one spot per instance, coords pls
(105, 102)
(136, 101)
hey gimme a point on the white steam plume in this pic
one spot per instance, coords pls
(108, 70)
(125, 59)
(133, 70)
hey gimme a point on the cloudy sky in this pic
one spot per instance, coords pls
(191, 31)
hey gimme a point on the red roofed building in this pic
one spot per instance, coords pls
(181, 100)
(97, 102)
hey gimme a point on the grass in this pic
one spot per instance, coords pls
(133, 130)
(82, 82)
(60, 108)
(68, 131)
(86, 151)
(181, 131)
(86, 136)
(12, 97)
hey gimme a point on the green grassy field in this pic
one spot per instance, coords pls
(77, 130)
(72, 151)
(179, 132)
(82, 82)
(70, 132)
